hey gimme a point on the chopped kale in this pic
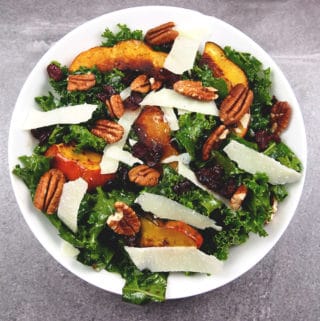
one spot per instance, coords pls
(123, 33)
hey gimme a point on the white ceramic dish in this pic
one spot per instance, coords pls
(243, 257)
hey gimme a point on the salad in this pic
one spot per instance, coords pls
(152, 159)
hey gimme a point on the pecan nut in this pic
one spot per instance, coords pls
(144, 175)
(141, 84)
(155, 84)
(49, 190)
(115, 106)
(124, 221)
(81, 82)
(242, 126)
(214, 140)
(108, 130)
(236, 104)
(280, 117)
(195, 90)
(162, 34)
(238, 197)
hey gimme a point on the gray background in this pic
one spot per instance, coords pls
(285, 285)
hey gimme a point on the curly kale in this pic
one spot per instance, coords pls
(123, 33)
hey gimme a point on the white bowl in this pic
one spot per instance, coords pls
(241, 258)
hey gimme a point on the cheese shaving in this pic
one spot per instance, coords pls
(174, 259)
(62, 115)
(169, 98)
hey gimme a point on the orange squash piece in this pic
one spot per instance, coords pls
(156, 233)
(129, 54)
(85, 164)
(222, 67)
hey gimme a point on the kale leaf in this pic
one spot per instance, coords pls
(194, 128)
(282, 153)
(204, 74)
(123, 33)
(79, 135)
(194, 198)
(34, 167)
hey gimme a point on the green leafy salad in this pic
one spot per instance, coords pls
(141, 157)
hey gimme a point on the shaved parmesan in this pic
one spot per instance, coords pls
(164, 207)
(109, 164)
(253, 162)
(125, 93)
(185, 158)
(63, 115)
(171, 118)
(68, 250)
(70, 200)
(169, 98)
(123, 156)
(174, 259)
(184, 50)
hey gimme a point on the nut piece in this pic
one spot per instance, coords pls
(141, 84)
(242, 126)
(214, 140)
(48, 191)
(155, 84)
(124, 221)
(81, 82)
(162, 34)
(236, 104)
(280, 116)
(238, 197)
(195, 90)
(144, 175)
(115, 106)
(108, 130)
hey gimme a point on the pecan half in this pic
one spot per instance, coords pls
(236, 104)
(48, 191)
(280, 116)
(162, 34)
(115, 106)
(155, 84)
(144, 175)
(124, 221)
(195, 90)
(81, 82)
(141, 84)
(108, 130)
(213, 141)
(238, 197)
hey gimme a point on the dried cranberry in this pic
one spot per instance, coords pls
(55, 72)
(42, 134)
(183, 187)
(102, 96)
(133, 101)
(108, 90)
(151, 155)
(167, 77)
(130, 240)
(228, 188)
(263, 138)
(211, 177)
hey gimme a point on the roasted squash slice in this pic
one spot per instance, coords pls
(130, 54)
(222, 67)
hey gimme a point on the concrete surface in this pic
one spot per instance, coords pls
(285, 285)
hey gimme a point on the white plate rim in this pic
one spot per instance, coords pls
(179, 286)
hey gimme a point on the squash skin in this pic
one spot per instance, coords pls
(222, 67)
(129, 54)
